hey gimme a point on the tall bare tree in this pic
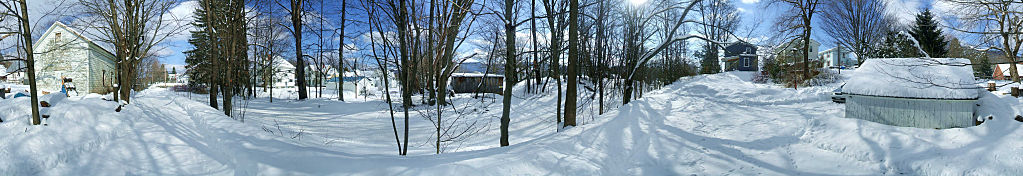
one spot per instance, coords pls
(297, 10)
(797, 21)
(135, 28)
(19, 11)
(999, 24)
(855, 24)
(509, 67)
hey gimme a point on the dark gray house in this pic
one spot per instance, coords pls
(740, 56)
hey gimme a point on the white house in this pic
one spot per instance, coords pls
(283, 74)
(913, 92)
(791, 52)
(62, 52)
(837, 57)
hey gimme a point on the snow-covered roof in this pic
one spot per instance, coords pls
(474, 75)
(75, 32)
(283, 64)
(928, 78)
(1005, 68)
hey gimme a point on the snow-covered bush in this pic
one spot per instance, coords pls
(824, 76)
(761, 77)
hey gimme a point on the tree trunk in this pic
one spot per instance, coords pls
(26, 34)
(573, 51)
(509, 69)
(228, 95)
(296, 23)
(213, 95)
(126, 81)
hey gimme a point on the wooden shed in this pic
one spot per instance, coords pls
(469, 82)
(913, 92)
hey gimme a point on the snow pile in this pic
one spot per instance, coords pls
(709, 125)
(937, 78)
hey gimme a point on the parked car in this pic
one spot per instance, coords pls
(837, 96)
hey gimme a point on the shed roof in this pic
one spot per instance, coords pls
(925, 78)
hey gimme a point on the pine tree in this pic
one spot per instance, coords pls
(985, 69)
(709, 60)
(895, 45)
(927, 33)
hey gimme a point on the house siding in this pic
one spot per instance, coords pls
(101, 71)
(62, 52)
(909, 112)
(65, 58)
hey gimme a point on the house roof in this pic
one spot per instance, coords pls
(1004, 68)
(924, 78)
(281, 63)
(79, 35)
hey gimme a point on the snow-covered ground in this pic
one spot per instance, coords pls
(713, 124)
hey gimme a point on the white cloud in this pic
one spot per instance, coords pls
(740, 9)
(181, 17)
(904, 10)
(750, 1)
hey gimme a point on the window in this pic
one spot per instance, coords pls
(746, 62)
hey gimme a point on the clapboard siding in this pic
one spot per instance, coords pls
(101, 71)
(910, 112)
(64, 56)
(63, 53)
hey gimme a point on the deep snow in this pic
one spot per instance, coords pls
(712, 124)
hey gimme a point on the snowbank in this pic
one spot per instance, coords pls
(935, 78)
(715, 124)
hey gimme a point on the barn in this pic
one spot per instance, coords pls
(468, 82)
(913, 92)
(61, 52)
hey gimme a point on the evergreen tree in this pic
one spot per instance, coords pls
(174, 70)
(927, 33)
(984, 69)
(896, 45)
(709, 62)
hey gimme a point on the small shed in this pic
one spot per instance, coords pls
(913, 92)
(468, 82)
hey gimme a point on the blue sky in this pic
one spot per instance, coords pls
(754, 12)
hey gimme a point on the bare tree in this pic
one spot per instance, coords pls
(573, 51)
(135, 28)
(721, 17)
(19, 11)
(297, 11)
(999, 24)
(855, 24)
(797, 22)
(509, 67)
